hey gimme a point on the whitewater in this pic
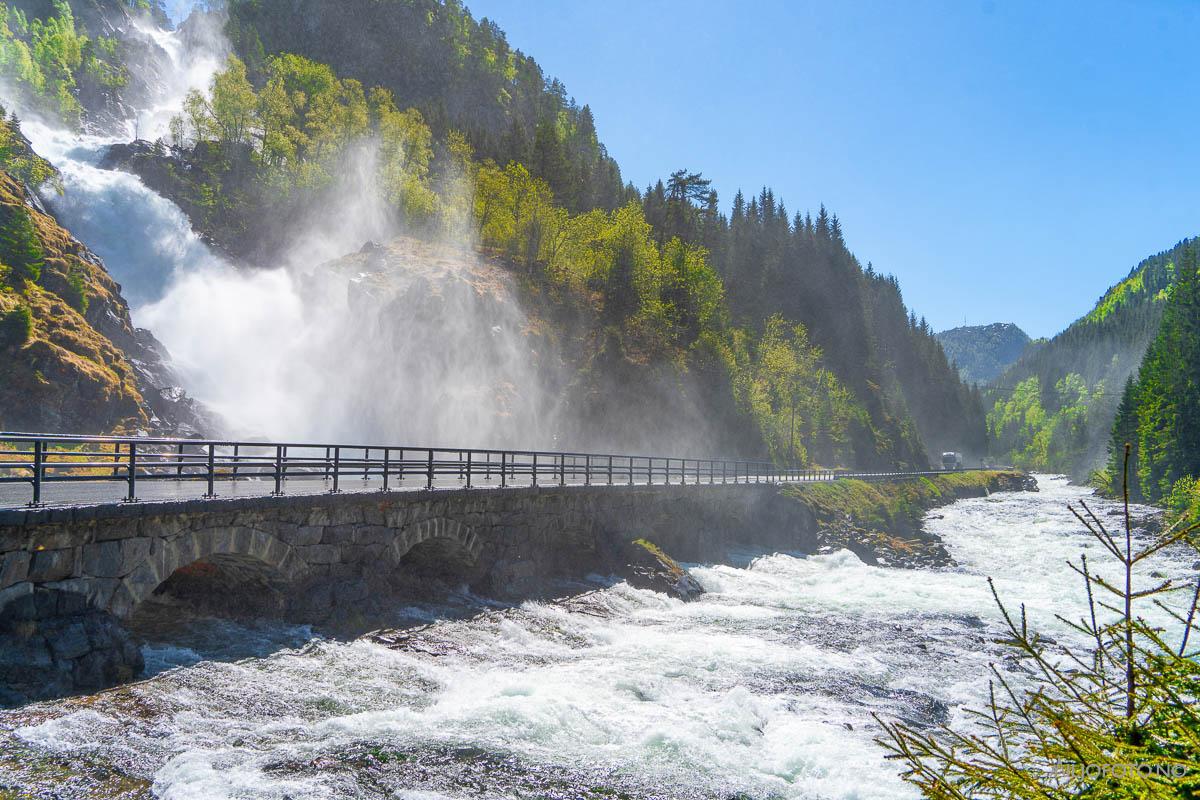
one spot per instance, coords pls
(764, 687)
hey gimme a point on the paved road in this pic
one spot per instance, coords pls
(15, 495)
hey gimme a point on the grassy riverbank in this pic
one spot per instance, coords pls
(882, 521)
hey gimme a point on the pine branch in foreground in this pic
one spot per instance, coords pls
(1116, 719)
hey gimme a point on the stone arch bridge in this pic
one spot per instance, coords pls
(71, 577)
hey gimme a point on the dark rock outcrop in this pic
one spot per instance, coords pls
(53, 643)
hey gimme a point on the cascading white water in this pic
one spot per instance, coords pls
(400, 352)
(763, 686)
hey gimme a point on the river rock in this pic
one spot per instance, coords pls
(648, 567)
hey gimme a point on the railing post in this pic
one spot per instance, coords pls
(179, 462)
(212, 471)
(278, 470)
(326, 463)
(587, 470)
(535, 469)
(429, 470)
(630, 465)
(562, 469)
(38, 450)
(401, 472)
(387, 469)
(469, 467)
(610, 470)
(460, 465)
(667, 473)
(131, 474)
(237, 451)
(337, 469)
(366, 463)
(504, 469)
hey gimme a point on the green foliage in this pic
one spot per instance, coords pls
(803, 413)
(19, 161)
(16, 326)
(1103, 349)
(458, 72)
(1183, 501)
(1116, 720)
(76, 291)
(47, 58)
(20, 249)
(1159, 415)
(1034, 438)
(300, 127)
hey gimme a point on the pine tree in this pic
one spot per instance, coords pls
(1125, 432)
(1167, 395)
(20, 248)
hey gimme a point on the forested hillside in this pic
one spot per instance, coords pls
(982, 352)
(1159, 412)
(761, 320)
(1054, 408)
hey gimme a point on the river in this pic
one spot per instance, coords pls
(762, 688)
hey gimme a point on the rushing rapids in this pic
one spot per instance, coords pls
(764, 687)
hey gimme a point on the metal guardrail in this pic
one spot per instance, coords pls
(40, 459)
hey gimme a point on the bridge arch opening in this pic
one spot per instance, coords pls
(220, 585)
(238, 573)
(439, 550)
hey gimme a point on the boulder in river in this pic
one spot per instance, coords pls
(648, 567)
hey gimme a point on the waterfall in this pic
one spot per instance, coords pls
(409, 344)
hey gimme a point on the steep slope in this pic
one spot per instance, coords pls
(77, 364)
(1054, 408)
(982, 352)
(1159, 414)
(462, 74)
(409, 116)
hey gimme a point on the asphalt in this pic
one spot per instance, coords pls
(106, 492)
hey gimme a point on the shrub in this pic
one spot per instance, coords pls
(16, 326)
(76, 291)
(20, 247)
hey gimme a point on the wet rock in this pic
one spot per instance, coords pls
(52, 643)
(648, 567)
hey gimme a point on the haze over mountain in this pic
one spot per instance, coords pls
(982, 352)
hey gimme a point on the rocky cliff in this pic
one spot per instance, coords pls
(83, 367)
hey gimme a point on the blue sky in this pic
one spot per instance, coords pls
(1007, 161)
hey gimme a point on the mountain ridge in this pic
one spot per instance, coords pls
(982, 352)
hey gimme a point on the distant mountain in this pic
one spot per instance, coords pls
(982, 352)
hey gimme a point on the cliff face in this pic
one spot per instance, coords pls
(84, 368)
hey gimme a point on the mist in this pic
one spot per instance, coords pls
(350, 335)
